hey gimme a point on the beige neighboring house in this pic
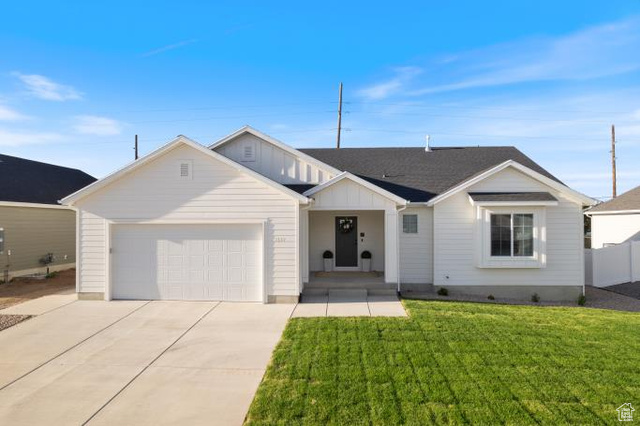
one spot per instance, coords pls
(36, 232)
(616, 221)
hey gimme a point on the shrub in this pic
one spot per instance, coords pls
(582, 300)
(327, 254)
(366, 254)
(535, 298)
(490, 297)
(443, 291)
(51, 275)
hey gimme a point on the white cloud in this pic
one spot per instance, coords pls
(169, 47)
(9, 114)
(99, 126)
(44, 88)
(10, 138)
(598, 51)
(390, 87)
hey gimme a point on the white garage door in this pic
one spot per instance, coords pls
(187, 262)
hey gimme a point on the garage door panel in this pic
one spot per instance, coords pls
(187, 262)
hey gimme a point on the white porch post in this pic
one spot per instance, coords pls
(390, 246)
(304, 230)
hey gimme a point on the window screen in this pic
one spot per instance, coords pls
(512, 235)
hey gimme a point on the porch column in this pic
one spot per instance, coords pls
(391, 246)
(304, 232)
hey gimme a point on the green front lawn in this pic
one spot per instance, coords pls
(452, 363)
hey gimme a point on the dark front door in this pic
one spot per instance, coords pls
(346, 241)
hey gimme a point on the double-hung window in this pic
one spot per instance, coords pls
(512, 235)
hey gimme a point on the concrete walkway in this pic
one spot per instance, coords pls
(41, 305)
(137, 363)
(349, 304)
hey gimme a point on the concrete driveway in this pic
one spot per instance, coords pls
(144, 363)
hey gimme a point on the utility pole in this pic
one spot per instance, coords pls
(613, 158)
(135, 147)
(339, 115)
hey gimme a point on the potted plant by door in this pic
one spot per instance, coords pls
(366, 261)
(328, 260)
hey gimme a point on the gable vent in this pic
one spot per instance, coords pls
(185, 169)
(248, 152)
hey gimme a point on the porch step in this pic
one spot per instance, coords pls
(341, 293)
(362, 284)
(347, 292)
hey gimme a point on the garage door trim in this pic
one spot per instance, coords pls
(109, 224)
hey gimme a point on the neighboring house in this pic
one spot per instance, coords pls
(617, 220)
(249, 218)
(35, 230)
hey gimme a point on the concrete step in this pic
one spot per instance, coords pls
(371, 285)
(382, 292)
(347, 293)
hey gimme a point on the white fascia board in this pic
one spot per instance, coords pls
(612, 212)
(570, 193)
(180, 140)
(511, 203)
(33, 205)
(273, 141)
(359, 181)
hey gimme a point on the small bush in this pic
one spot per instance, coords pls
(443, 291)
(327, 254)
(582, 300)
(490, 297)
(535, 298)
(51, 275)
(366, 254)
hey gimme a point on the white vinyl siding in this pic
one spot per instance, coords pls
(217, 193)
(614, 229)
(416, 250)
(346, 194)
(273, 162)
(456, 239)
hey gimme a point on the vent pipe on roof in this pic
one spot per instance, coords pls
(428, 147)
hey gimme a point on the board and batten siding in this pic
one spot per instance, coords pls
(347, 194)
(416, 250)
(455, 233)
(30, 233)
(608, 229)
(216, 192)
(273, 162)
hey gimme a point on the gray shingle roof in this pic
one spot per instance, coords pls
(30, 181)
(417, 175)
(512, 196)
(630, 200)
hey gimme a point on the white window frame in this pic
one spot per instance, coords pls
(483, 249)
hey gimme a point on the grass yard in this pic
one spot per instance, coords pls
(454, 363)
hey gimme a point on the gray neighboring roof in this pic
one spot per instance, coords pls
(630, 200)
(417, 175)
(512, 196)
(300, 188)
(28, 181)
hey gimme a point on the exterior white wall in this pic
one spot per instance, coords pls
(273, 162)
(454, 240)
(607, 229)
(416, 250)
(217, 192)
(322, 236)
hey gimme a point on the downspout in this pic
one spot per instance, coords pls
(398, 243)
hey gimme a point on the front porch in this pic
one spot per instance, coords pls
(371, 283)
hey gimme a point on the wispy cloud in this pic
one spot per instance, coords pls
(42, 87)
(384, 89)
(98, 126)
(9, 138)
(169, 47)
(9, 114)
(598, 51)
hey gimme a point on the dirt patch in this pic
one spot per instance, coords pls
(22, 289)
(627, 289)
(7, 321)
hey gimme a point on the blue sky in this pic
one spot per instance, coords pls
(79, 79)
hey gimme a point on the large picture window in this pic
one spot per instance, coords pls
(512, 235)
